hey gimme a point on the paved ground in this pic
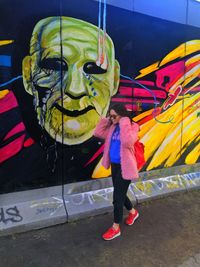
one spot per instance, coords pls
(167, 234)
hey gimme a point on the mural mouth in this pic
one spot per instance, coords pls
(74, 113)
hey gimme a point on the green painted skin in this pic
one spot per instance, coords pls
(83, 85)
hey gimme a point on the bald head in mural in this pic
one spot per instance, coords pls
(72, 74)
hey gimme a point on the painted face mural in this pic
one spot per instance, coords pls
(70, 82)
(71, 76)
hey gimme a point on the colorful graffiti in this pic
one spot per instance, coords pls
(170, 130)
(71, 89)
(70, 71)
(179, 138)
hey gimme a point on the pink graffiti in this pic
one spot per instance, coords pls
(17, 129)
(121, 100)
(172, 97)
(8, 102)
(96, 154)
(12, 148)
(143, 82)
(140, 92)
(167, 76)
(16, 138)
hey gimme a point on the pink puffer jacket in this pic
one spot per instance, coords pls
(128, 136)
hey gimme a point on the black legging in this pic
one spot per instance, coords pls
(120, 198)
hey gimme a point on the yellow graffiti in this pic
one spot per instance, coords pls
(194, 154)
(165, 143)
(174, 184)
(100, 171)
(181, 51)
(145, 187)
(3, 93)
(6, 42)
(148, 70)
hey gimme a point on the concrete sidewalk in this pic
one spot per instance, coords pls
(167, 234)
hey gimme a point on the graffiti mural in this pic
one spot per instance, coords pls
(171, 131)
(176, 126)
(72, 91)
(60, 70)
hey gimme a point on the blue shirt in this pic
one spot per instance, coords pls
(115, 146)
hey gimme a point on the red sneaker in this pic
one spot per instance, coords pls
(111, 233)
(132, 218)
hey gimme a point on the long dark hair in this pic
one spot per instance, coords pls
(121, 110)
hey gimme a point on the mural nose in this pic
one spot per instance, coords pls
(75, 87)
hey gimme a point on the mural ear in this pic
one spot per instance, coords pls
(116, 77)
(26, 72)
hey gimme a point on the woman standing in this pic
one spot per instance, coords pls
(120, 134)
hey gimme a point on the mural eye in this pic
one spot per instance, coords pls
(92, 68)
(53, 64)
